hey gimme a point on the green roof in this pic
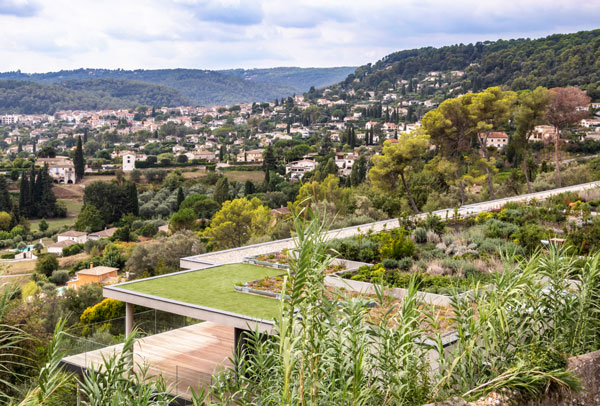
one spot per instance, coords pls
(215, 288)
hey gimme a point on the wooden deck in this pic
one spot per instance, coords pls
(185, 357)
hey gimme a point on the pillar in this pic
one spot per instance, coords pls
(128, 319)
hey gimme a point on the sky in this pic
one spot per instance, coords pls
(50, 35)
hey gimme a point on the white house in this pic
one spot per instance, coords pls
(297, 169)
(497, 139)
(128, 161)
(57, 247)
(61, 169)
(72, 235)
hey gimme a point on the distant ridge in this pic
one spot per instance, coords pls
(555, 60)
(167, 86)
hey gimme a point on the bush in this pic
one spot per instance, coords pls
(59, 277)
(529, 236)
(390, 263)
(72, 250)
(420, 235)
(148, 229)
(46, 264)
(434, 223)
(43, 226)
(499, 229)
(9, 255)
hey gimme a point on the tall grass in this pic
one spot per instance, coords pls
(330, 349)
(515, 333)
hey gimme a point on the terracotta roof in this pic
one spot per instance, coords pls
(72, 233)
(62, 244)
(104, 233)
(497, 134)
(97, 270)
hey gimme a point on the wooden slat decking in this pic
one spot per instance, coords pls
(185, 357)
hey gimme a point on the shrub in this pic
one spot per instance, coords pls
(420, 235)
(59, 277)
(529, 236)
(8, 255)
(148, 230)
(499, 229)
(390, 263)
(434, 223)
(72, 250)
(46, 264)
(43, 226)
(405, 264)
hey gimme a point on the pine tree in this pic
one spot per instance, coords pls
(180, 197)
(79, 161)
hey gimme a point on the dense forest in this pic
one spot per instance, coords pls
(34, 98)
(101, 88)
(556, 60)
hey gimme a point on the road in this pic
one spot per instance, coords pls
(238, 254)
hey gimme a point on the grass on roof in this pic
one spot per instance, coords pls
(214, 287)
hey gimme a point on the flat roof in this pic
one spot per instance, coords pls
(207, 294)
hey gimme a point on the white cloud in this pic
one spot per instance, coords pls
(44, 35)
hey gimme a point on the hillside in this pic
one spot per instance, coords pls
(34, 98)
(556, 60)
(178, 86)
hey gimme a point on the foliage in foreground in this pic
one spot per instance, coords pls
(516, 334)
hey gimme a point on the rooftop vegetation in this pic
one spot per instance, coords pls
(214, 287)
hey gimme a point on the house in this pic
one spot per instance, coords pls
(543, 133)
(497, 139)
(104, 275)
(205, 155)
(279, 214)
(254, 155)
(61, 169)
(370, 125)
(129, 162)
(72, 235)
(57, 247)
(106, 233)
(297, 169)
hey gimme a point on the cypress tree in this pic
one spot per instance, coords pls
(47, 203)
(248, 188)
(180, 197)
(24, 195)
(79, 161)
(132, 199)
(5, 201)
(221, 193)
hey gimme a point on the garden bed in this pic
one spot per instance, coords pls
(271, 286)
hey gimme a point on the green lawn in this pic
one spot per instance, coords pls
(57, 223)
(214, 287)
(73, 209)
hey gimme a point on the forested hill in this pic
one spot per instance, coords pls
(556, 60)
(35, 98)
(177, 86)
